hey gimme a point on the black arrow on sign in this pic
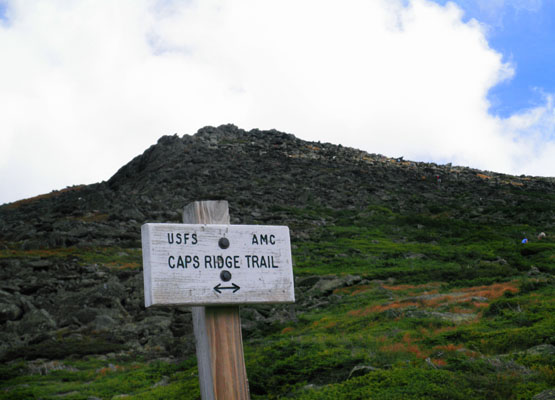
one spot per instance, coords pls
(218, 288)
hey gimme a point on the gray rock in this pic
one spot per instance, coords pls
(445, 316)
(360, 370)
(132, 213)
(40, 264)
(414, 256)
(36, 321)
(104, 323)
(307, 282)
(501, 365)
(9, 312)
(86, 315)
(542, 349)
(42, 367)
(163, 382)
(533, 271)
(327, 286)
(548, 394)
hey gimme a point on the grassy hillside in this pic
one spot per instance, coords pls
(411, 279)
(390, 305)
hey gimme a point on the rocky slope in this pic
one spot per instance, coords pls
(55, 301)
(256, 172)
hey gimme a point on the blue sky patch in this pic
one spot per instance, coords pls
(524, 33)
(3, 9)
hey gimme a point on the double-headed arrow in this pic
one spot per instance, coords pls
(218, 288)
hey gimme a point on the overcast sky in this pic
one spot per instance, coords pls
(85, 86)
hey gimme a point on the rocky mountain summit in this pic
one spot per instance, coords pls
(64, 292)
(257, 172)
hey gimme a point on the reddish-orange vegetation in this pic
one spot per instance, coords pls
(492, 291)
(287, 329)
(423, 331)
(461, 310)
(394, 305)
(381, 308)
(470, 353)
(394, 348)
(356, 313)
(406, 287)
(403, 347)
(330, 325)
(449, 347)
(353, 290)
(361, 289)
(55, 193)
(126, 265)
(443, 329)
(439, 362)
(414, 349)
(103, 371)
(437, 301)
(321, 322)
(111, 368)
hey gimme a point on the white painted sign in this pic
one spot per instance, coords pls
(188, 264)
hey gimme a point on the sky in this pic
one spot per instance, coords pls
(87, 85)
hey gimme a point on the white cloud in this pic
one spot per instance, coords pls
(534, 132)
(85, 86)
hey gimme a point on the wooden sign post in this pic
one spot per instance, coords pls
(214, 267)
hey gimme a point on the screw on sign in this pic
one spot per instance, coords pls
(214, 267)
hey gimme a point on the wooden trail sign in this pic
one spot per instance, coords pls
(196, 264)
(206, 261)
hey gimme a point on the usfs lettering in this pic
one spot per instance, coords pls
(182, 238)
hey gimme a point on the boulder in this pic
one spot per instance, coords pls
(327, 286)
(104, 323)
(36, 320)
(445, 316)
(542, 349)
(9, 312)
(548, 394)
(86, 314)
(360, 370)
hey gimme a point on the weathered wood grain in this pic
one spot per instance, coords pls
(223, 325)
(206, 212)
(204, 353)
(219, 343)
(183, 264)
